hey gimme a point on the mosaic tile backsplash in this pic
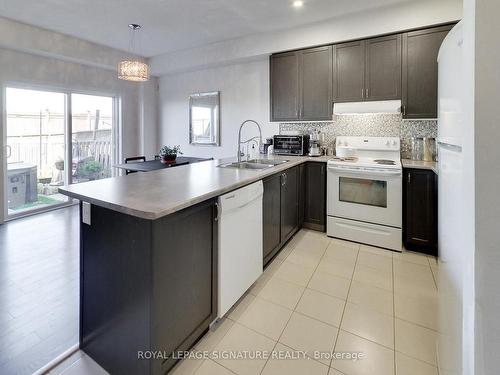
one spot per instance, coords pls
(369, 125)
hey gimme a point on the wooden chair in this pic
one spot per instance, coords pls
(133, 159)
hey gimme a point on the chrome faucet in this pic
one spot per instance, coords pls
(248, 140)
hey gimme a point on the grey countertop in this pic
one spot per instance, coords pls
(151, 195)
(420, 164)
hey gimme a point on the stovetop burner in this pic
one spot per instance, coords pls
(385, 162)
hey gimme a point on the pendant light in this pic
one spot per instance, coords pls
(133, 69)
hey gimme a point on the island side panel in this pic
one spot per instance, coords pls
(185, 279)
(115, 290)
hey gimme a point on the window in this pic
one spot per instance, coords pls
(363, 191)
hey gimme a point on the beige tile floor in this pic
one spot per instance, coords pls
(327, 295)
(324, 295)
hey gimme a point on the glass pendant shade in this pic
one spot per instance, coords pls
(133, 70)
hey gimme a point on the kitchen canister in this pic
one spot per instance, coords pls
(429, 149)
(417, 148)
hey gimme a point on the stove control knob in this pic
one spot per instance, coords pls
(394, 143)
(387, 143)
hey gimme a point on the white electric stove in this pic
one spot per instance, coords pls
(364, 184)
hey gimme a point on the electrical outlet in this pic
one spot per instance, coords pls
(86, 208)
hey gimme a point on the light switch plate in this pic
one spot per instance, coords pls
(86, 206)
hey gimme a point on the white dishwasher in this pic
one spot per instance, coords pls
(240, 243)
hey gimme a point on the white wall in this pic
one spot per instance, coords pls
(487, 182)
(239, 69)
(31, 39)
(412, 14)
(244, 94)
(36, 68)
(148, 113)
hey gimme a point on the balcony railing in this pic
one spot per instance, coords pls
(47, 153)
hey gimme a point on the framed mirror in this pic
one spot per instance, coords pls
(204, 120)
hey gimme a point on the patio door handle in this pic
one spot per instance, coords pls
(8, 152)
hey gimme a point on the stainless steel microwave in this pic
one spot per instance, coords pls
(291, 144)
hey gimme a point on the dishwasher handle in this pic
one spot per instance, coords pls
(220, 212)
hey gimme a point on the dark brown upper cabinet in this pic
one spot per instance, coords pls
(420, 71)
(285, 86)
(301, 85)
(306, 83)
(367, 70)
(383, 68)
(349, 72)
(316, 84)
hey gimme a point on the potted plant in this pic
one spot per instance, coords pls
(90, 169)
(169, 154)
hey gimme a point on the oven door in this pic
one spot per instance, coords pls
(369, 195)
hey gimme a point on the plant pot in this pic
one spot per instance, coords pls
(168, 158)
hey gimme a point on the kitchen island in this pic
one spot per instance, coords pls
(155, 194)
(148, 260)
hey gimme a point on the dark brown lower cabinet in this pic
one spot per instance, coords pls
(271, 215)
(293, 199)
(289, 203)
(280, 210)
(146, 285)
(420, 210)
(302, 193)
(315, 196)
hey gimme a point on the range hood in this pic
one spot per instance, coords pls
(386, 106)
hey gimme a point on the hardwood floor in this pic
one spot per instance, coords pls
(39, 267)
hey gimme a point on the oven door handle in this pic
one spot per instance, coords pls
(371, 172)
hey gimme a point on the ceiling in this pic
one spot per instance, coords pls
(170, 25)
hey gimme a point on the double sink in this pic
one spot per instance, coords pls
(257, 164)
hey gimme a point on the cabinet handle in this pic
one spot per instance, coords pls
(322, 170)
(363, 93)
(217, 211)
(404, 110)
(409, 177)
(367, 93)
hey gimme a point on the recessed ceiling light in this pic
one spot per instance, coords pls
(298, 3)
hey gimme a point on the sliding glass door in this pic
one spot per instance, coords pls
(38, 146)
(92, 137)
(35, 149)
